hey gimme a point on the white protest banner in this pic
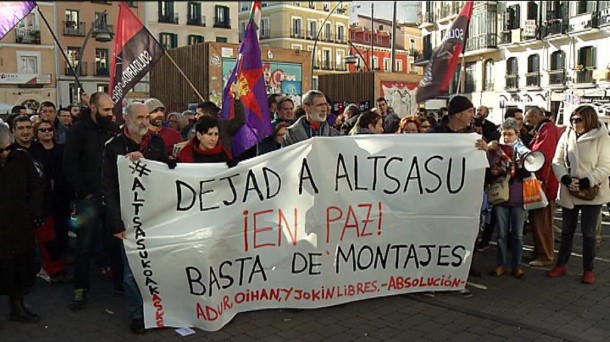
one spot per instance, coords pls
(319, 223)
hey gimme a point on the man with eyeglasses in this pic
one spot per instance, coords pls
(517, 114)
(546, 136)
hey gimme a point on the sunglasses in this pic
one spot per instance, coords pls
(575, 120)
(7, 148)
(45, 130)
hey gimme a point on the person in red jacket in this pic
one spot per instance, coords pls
(546, 136)
(157, 115)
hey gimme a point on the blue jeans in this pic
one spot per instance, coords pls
(588, 223)
(510, 219)
(132, 293)
(89, 226)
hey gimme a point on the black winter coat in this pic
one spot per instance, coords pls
(152, 148)
(21, 201)
(83, 154)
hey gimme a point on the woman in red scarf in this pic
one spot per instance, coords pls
(206, 146)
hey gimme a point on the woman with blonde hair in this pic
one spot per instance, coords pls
(582, 163)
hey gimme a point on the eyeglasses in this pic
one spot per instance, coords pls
(45, 130)
(7, 148)
(575, 120)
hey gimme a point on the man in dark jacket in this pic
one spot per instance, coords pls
(83, 169)
(135, 142)
(21, 211)
(485, 127)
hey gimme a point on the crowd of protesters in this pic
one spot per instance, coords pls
(58, 171)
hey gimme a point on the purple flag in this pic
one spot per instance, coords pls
(248, 74)
(11, 12)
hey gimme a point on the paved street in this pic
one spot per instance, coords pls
(536, 308)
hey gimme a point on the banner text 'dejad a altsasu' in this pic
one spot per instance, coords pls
(319, 223)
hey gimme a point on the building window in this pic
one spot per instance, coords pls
(222, 40)
(102, 87)
(194, 14)
(512, 18)
(222, 18)
(101, 62)
(296, 28)
(296, 46)
(326, 60)
(512, 73)
(470, 82)
(488, 80)
(168, 40)
(584, 7)
(194, 39)
(166, 12)
(399, 65)
(557, 71)
(339, 61)
(586, 63)
(387, 64)
(328, 32)
(74, 93)
(312, 29)
(28, 62)
(264, 29)
(412, 45)
(375, 63)
(242, 29)
(72, 25)
(532, 78)
(532, 10)
(340, 34)
(27, 31)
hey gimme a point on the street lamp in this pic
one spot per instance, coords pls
(351, 59)
(315, 43)
(100, 31)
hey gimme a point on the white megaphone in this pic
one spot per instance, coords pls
(533, 161)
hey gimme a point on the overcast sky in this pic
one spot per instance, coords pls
(406, 10)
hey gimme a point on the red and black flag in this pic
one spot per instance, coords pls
(135, 52)
(439, 72)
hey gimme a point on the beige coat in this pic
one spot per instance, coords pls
(589, 156)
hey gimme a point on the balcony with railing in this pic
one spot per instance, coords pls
(532, 79)
(584, 75)
(83, 69)
(299, 33)
(506, 37)
(222, 23)
(552, 28)
(73, 28)
(448, 10)
(427, 18)
(27, 35)
(423, 57)
(557, 77)
(583, 22)
(169, 18)
(324, 64)
(102, 71)
(512, 82)
(196, 21)
(485, 41)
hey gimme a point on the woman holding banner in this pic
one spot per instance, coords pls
(582, 163)
(206, 146)
(504, 157)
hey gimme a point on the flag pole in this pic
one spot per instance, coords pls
(61, 49)
(184, 76)
(463, 66)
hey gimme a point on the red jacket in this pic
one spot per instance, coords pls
(545, 140)
(170, 137)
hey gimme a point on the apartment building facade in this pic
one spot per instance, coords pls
(181, 23)
(527, 53)
(27, 71)
(380, 59)
(305, 25)
(90, 57)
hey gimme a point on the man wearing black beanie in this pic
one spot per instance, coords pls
(461, 112)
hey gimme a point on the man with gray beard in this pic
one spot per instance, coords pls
(313, 124)
(134, 142)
